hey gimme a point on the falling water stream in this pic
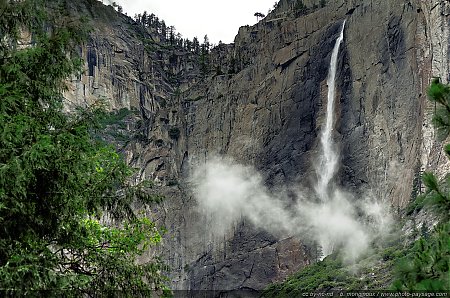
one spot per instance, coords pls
(227, 192)
(328, 161)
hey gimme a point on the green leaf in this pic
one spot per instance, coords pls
(430, 181)
(56, 178)
(438, 91)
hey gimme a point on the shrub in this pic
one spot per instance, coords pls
(174, 133)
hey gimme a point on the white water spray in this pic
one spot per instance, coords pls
(329, 157)
(227, 192)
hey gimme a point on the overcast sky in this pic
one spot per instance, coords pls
(219, 19)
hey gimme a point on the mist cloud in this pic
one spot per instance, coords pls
(334, 219)
(228, 192)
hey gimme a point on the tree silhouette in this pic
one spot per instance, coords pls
(196, 45)
(143, 19)
(259, 15)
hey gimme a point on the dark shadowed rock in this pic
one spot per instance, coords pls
(265, 108)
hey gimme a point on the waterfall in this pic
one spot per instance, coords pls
(328, 160)
(227, 192)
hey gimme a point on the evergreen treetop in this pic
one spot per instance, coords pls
(56, 180)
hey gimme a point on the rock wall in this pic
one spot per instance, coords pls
(126, 66)
(266, 110)
(380, 152)
(435, 32)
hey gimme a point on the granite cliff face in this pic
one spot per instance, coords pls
(267, 111)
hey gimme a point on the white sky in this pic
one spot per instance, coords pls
(219, 19)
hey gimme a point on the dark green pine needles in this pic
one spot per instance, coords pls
(56, 180)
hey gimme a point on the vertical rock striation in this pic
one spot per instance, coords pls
(266, 108)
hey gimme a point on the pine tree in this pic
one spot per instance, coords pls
(163, 29)
(300, 8)
(196, 45)
(56, 180)
(144, 18)
(150, 20)
(188, 44)
(259, 15)
(171, 35)
(427, 266)
(204, 56)
(179, 39)
(156, 24)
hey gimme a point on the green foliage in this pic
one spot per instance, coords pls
(113, 124)
(174, 133)
(392, 253)
(440, 94)
(416, 186)
(233, 66)
(219, 71)
(259, 15)
(114, 117)
(437, 196)
(430, 181)
(427, 265)
(372, 272)
(300, 8)
(204, 58)
(172, 182)
(56, 180)
(415, 205)
(197, 98)
(320, 276)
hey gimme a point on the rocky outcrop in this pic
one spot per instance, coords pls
(127, 66)
(263, 105)
(386, 92)
(435, 31)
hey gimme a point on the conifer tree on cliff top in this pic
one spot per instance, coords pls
(55, 178)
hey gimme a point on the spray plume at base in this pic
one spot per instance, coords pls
(229, 192)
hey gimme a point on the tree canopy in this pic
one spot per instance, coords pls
(259, 15)
(427, 266)
(57, 182)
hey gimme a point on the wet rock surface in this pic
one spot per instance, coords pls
(266, 110)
